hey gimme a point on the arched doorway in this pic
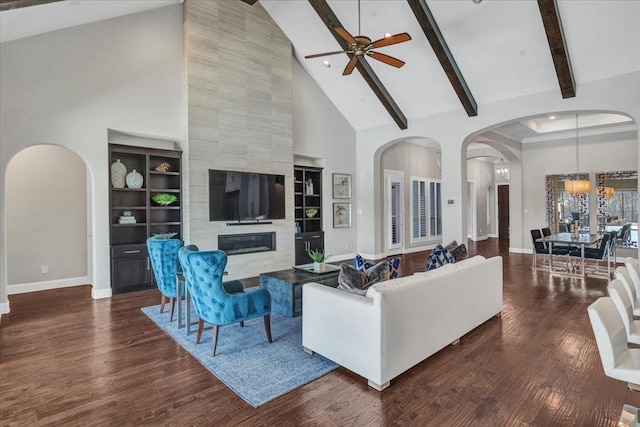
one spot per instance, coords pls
(48, 239)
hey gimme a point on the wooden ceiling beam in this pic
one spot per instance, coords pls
(436, 40)
(17, 4)
(331, 21)
(250, 2)
(557, 45)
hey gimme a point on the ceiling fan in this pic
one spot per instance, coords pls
(360, 45)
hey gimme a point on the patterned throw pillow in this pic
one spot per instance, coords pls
(460, 252)
(362, 265)
(352, 280)
(439, 257)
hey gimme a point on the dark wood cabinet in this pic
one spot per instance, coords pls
(308, 212)
(135, 216)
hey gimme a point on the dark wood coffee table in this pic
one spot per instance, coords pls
(285, 287)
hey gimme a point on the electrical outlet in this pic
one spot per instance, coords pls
(44, 269)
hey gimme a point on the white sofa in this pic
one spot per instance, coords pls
(400, 322)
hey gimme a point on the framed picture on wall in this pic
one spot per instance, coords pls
(341, 186)
(341, 215)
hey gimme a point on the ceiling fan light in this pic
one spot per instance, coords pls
(387, 35)
(477, 1)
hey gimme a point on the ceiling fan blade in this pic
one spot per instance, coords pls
(390, 60)
(387, 41)
(350, 66)
(317, 55)
(345, 35)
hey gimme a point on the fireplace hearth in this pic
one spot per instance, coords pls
(238, 244)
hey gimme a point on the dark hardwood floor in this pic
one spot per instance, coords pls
(66, 359)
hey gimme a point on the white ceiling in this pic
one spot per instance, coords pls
(500, 47)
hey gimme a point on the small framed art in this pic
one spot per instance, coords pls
(341, 186)
(341, 215)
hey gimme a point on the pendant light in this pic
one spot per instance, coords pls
(607, 192)
(577, 186)
(502, 171)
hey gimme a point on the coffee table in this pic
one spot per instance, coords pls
(285, 286)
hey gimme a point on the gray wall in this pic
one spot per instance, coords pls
(46, 213)
(67, 88)
(322, 137)
(482, 172)
(414, 161)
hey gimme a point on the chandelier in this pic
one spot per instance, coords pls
(577, 186)
(502, 171)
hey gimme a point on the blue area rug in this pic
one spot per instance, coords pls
(245, 361)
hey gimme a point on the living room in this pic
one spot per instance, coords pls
(121, 80)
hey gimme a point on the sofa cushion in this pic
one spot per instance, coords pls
(439, 257)
(362, 265)
(352, 280)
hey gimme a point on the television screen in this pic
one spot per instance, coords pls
(241, 196)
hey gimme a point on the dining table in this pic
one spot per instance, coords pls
(569, 239)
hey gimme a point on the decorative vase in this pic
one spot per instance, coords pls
(118, 174)
(134, 179)
(309, 187)
(319, 266)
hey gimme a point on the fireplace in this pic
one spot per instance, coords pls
(236, 244)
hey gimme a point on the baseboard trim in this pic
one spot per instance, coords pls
(479, 238)
(495, 236)
(101, 293)
(4, 308)
(50, 284)
(521, 250)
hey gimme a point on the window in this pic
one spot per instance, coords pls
(624, 205)
(394, 210)
(418, 209)
(435, 209)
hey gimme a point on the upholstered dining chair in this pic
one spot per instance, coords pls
(634, 272)
(163, 254)
(618, 360)
(217, 303)
(621, 300)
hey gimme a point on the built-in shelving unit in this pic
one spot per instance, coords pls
(130, 267)
(308, 195)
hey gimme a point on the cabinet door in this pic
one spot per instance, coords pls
(301, 250)
(316, 242)
(130, 269)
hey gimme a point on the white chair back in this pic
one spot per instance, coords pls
(634, 272)
(623, 276)
(620, 297)
(610, 334)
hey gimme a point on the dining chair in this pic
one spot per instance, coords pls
(634, 272)
(622, 274)
(598, 254)
(163, 254)
(213, 302)
(618, 360)
(541, 248)
(620, 297)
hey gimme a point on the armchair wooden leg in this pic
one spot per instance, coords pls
(200, 328)
(214, 344)
(162, 303)
(242, 323)
(267, 326)
(172, 305)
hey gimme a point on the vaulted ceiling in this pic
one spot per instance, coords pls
(462, 55)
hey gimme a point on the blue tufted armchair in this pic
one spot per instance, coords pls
(163, 254)
(219, 303)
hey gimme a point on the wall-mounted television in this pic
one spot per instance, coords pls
(245, 196)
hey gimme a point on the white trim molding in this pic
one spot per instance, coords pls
(50, 284)
(521, 250)
(100, 293)
(4, 308)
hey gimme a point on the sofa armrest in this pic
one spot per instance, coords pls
(343, 327)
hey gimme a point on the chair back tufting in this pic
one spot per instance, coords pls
(212, 303)
(163, 254)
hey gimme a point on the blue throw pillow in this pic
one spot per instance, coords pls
(362, 265)
(439, 257)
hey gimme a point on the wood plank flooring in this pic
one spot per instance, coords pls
(66, 359)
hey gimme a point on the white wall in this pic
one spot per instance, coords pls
(46, 215)
(482, 173)
(600, 153)
(453, 130)
(323, 137)
(69, 86)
